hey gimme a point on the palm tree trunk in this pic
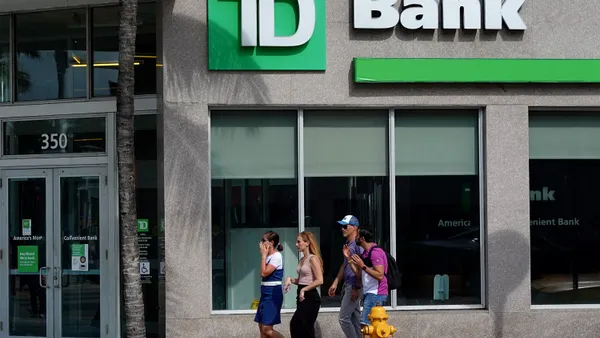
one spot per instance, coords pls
(130, 258)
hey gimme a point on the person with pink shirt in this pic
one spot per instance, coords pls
(310, 277)
(372, 267)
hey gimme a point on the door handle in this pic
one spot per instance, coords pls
(57, 277)
(60, 281)
(44, 268)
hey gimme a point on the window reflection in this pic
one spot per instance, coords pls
(147, 205)
(565, 266)
(4, 58)
(437, 207)
(26, 298)
(80, 217)
(565, 236)
(438, 234)
(106, 50)
(329, 199)
(51, 55)
(254, 189)
(243, 209)
(345, 165)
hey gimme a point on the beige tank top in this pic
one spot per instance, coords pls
(305, 274)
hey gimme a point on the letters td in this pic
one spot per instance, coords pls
(258, 24)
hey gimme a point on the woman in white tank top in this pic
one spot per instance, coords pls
(310, 277)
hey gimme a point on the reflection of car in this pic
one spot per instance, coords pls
(455, 254)
(466, 240)
(555, 283)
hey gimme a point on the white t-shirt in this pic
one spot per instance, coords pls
(370, 284)
(276, 260)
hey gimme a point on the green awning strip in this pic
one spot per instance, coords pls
(396, 70)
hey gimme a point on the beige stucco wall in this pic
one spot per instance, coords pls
(556, 29)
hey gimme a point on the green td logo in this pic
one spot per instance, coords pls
(143, 225)
(266, 35)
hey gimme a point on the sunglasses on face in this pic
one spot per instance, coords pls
(264, 240)
(344, 226)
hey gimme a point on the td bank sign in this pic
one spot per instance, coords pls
(284, 35)
(425, 14)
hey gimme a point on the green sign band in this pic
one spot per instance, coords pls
(380, 70)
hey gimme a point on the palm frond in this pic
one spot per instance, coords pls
(23, 78)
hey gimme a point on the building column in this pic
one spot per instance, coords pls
(186, 170)
(507, 211)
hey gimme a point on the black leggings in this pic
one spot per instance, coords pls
(302, 324)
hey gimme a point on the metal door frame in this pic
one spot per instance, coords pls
(6, 175)
(109, 273)
(106, 274)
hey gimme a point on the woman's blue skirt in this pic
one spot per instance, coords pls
(269, 306)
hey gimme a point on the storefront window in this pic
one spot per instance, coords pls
(4, 58)
(254, 189)
(437, 208)
(565, 236)
(105, 43)
(345, 169)
(51, 55)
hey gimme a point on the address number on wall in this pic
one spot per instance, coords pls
(54, 141)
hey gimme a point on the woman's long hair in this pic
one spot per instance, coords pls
(313, 245)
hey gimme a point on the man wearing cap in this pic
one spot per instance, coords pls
(349, 316)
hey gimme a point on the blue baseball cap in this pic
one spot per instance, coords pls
(349, 220)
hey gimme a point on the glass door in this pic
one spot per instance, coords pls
(54, 272)
(79, 217)
(26, 242)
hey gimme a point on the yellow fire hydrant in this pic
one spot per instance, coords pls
(379, 327)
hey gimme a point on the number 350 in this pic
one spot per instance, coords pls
(54, 141)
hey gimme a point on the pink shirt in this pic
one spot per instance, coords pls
(305, 274)
(371, 284)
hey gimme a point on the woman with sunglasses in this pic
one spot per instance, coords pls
(271, 293)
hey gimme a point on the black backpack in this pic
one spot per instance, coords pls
(394, 276)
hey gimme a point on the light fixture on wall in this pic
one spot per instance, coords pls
(82, 63)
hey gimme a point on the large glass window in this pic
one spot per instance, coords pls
(51, 55)
(4, 58)
(565, 236)
(150, 228)
(106, 50)
(437, 207)
(345, 169)
(146, 165)
(254, 189)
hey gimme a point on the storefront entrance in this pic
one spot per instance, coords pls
(55, 280)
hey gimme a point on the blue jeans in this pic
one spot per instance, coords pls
(369, 301)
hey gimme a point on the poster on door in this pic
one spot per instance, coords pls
(28, 258)
(79, 257)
